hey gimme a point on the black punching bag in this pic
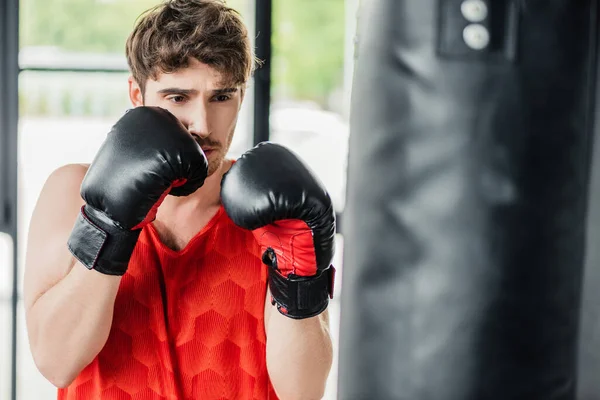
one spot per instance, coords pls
(470, 148)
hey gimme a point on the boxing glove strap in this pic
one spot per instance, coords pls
(300, 297)
(99, 244)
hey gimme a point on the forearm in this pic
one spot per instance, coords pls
(299, 355)
(69, 324)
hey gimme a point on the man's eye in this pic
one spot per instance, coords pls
(177, 99)
(222, 97)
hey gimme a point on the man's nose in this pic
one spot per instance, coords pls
(198, 123)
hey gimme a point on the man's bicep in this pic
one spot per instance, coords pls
(47, 258)
(324, 316)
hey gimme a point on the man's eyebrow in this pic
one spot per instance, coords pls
(225, 90)
(174, 90)
(187, 92)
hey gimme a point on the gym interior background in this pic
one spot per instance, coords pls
(62, 62)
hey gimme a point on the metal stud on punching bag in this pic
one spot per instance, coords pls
(467, 197)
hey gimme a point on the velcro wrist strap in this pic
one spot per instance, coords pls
(302, 297)
(99, 244)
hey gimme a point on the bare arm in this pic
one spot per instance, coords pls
(68, 308)
(299, 354)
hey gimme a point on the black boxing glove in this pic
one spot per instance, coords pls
(271, 192)
(147, 155)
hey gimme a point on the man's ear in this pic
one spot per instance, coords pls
(135, 93)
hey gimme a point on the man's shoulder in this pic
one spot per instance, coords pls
(67, 175)
(227, 163)
(70, 171)
(71, 168)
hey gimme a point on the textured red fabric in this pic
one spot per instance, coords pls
(188, 324)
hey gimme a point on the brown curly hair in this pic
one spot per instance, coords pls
(168, 35)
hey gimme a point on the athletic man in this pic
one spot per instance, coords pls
(165, 271)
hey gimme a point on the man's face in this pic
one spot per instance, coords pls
(197, 98)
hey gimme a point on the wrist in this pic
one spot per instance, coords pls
(101, 244)
(301, 297)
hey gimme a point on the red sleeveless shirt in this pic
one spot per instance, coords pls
(187, 324)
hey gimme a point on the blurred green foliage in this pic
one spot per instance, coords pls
(308, 36)
(308, 48)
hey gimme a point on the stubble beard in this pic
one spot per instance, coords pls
(219, 155)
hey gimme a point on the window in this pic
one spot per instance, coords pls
(312, 64)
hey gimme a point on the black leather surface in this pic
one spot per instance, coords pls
(301, 297)
(270, 183)
(99, 244)
(144, 153)
(466, 209)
